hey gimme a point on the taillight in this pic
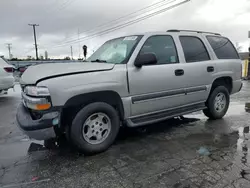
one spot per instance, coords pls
(9, 69)
(22, 69)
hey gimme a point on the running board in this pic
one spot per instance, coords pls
(163, 115)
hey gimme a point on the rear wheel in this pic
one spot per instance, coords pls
(217, 103)
(95, 128)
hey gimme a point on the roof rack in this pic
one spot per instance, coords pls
(177, 30)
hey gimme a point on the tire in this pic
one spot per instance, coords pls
(213, 111)
(79, 129)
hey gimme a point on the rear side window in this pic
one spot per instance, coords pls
(194, 49)
(223, 47)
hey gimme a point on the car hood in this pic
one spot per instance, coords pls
(40, 72)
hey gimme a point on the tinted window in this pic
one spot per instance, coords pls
(163, 47)
(194, 49)
(222, 47)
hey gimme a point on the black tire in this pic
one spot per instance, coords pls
(211, 112)
(76, 135)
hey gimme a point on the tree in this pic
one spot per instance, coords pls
(238, 47)
(67, 58)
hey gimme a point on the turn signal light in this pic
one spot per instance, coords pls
(43, 106)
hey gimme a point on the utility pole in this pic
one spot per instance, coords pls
(9, 48)
(34, 30)
(71, 49)
(79, 43)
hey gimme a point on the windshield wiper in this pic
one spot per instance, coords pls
(99, 60)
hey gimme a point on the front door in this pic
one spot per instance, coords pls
(160, 86)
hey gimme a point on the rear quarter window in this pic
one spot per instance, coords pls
(223, 47)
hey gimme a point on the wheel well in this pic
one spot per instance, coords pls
(76, 103)
(223, 81)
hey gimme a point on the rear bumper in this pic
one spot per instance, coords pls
(237, 86)
(41, 129)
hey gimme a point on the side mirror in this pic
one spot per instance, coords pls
(145, 59)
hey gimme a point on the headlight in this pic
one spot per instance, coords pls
(40, 103)
(36, 91)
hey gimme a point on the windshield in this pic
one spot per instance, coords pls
(115, 51)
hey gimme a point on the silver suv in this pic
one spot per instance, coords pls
(133, 81)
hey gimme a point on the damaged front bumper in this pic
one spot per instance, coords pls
(41, 128)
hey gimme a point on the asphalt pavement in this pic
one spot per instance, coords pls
(180, 153)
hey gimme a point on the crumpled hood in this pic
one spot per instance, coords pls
(45, 71)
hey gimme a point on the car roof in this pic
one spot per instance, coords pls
(175, 31)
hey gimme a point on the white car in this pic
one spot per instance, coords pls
(6, 76)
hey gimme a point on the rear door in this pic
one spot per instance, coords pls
(199, 67)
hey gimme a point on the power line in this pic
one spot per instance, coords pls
(114, 27)
(64, 5)
(125, 16)
(57, 9)
(126, 24)
(150, 7)
(34, 30)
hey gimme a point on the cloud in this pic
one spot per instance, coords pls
(60, 20)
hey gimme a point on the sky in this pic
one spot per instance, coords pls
(96, 21)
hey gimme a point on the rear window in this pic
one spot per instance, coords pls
(223, 47)
(3, 62)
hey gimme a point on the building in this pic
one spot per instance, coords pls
(244, 55)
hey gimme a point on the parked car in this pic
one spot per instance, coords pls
(129, 81)
(22, 69)
(6, 75)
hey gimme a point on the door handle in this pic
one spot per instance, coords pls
(210, 69)
(179, 72)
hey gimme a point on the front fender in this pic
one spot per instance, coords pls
(63, 88)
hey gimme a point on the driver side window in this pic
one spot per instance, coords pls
(163, 47)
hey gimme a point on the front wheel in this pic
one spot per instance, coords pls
(95, 128)
(217, 103)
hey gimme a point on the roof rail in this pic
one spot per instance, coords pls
(177, 30)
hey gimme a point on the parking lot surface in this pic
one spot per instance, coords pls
(182, 152)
